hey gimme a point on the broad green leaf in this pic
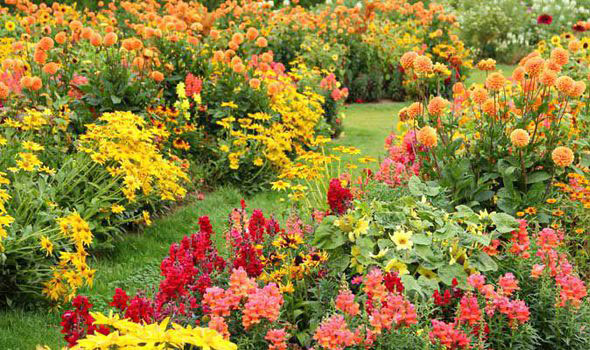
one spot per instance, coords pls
(538, 176)
(483, 262)
(448, 272)
(421, 239)
(504, 223)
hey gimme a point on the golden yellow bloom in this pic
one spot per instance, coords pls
(46, 245)
(28, 161)
(146, 218)
(32, 146)
(9, 26)
(280, 185)
(402, 239)
(397, 265)
(117, 209)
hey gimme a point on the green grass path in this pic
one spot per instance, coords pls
(134, 264)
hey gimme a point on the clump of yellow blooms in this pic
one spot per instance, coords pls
(5, 219)
(72, 270)
(291, 131)
(307, 178)
(131, 335)
(126, 144)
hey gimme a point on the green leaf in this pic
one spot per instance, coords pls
(411, 285)
(428, 285)
(483, 262)
(448, 272)
(419, 188)
(421, 239)
(538, 176)
(504, 223)
(116, 100)
(328, 236)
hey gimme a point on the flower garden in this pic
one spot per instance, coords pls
(387, 174)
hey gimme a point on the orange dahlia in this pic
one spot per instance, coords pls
(495, 81)
(562, 156)
(427, 136)
(520, 138)
(437, 106)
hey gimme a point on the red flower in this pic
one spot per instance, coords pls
(120, 299)
(578, 27)
(193, 85)
(339, 198)
(544, 19)
(256, 226)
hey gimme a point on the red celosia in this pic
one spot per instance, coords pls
(248, 257)
(120, 299)
(257, 226)
(339, 198)
(140, 309)
(393, 283)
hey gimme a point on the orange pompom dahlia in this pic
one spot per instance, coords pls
(562, 156)
(427, 136)
(520, 138)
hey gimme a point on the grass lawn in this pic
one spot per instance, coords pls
(478, 76)
(134, 264)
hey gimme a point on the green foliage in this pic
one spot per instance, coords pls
(374, 232)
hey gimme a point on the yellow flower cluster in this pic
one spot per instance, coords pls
(131, 335)
(127, 144)
(72, 270)
(291, 261)
(5, 219)
(308, 177)
(276, 138)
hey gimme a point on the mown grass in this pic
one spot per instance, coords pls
(134, 264)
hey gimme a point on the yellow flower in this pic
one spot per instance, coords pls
(229, 104)
(362, 226)
(46, 245)
(9, 26)
(258, 161)
(47, 170)
(399, 266)
(28, 161)
(146, 218)
(365, 160)
(32, 146)
(280, 185)
(402, 239)
(117, 209)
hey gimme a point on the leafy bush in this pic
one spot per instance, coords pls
(505, 153)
